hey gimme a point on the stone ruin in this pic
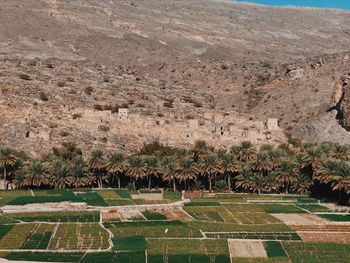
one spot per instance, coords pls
(219, 129)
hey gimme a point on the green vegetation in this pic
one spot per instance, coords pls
(153, 229)
(4, 229)
(314, 207)
(317, 252)
(39, 238)
(274, 249)
(76, 216)
(154, 216)
(16, 237)
(76, 236)
(336, 217)
(307, 168)
(256, 235)
(130, 243)
(123, 193)
(185, 250)
(203, 203)
(45, 256)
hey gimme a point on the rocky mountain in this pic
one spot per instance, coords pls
(61, 59)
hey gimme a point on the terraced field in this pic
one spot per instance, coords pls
(221, 229)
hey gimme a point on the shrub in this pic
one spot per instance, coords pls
(88, 90)
(104, 128)
(25, 77)
(43, 96)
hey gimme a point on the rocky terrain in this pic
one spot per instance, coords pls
(153, 57)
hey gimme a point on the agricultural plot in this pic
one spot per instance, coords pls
(154, 216)
(77, 236)
(129, 243)
(177, 215)
(300, 219)
(186, 250)
(326, 237)
(314, 207)
(115, 257)
(255, 235)
(7, 220)
(263, 228)
(267, 208)
(7, 196)
(211, 214)
(153, 229)
(246, 249)
(317, 252)
(322, 228)
(229, 227)
(336, 217)
(45, 256)
(274, 249)
(4, 229)
(76, 216)
(16, 237)
(123, 193)
(108, 194)
(40, 237)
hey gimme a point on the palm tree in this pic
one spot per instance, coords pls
(210, 168)
(20, 178)
(340, 152)
(276, 156)
(169, 171)
(97, 165)
(116, 166)
(81, 176)
(152, 169)
(200, 148)
(302, 185)
(187, 170)
(7, 159)
(263, 163)
(59, 174)
(136, 169)
(314, 157)
(245, 151)
(270, 183)
(336, 173)
(230, 166)
(300, 161)
(36, 173)
(244, 179)
(287, 174)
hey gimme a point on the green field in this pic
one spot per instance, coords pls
(200, 237)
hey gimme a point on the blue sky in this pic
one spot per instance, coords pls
(340, 4)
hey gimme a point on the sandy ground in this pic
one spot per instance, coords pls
(246, 249)
(300, 219)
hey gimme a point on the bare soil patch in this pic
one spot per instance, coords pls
(177, 215)
(111, 215)
(301, 219)
(246, 249)
(335, 237)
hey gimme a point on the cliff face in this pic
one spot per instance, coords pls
(180, 58)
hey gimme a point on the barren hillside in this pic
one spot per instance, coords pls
(61, 59)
